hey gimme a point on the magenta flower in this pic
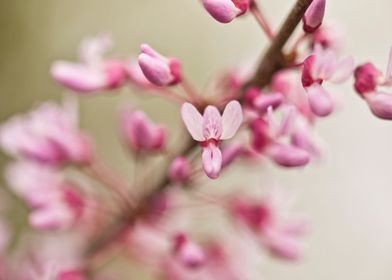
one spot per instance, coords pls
(159, 70)
(48, 134)
(314, 16)
(209, 129)
(323, 65)
(140, 133)
(225, 11)
(367, 81)
(93, 72)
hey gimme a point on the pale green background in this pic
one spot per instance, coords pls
(349, 197)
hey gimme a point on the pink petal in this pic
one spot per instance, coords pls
(380, 104)
(388, 76)
(156, 70)
(314, 15)
(193, 121)
(263, 101)
(231, 119)
(79, 77)
(320, 101)
(212, 123)
(223, 11)
(343, 70)
(212, 161)
(288, 156)
(92, 49)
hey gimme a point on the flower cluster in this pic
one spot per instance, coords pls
(90, 213)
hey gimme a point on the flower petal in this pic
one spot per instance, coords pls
(380, 104)
(223, 11)
(320, 101)
(388, 76)
(343, 70)
(212, 123)
(193, 121)
(231, 119)
(212, 161)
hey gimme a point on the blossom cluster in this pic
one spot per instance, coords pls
(56, 170)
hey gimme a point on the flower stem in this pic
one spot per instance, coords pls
(261, 20)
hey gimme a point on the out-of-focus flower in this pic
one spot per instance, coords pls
(140, 133)
(225, 11)
(314, 16)
(93, 73)
(367, 81)
(260, 101)
(180, 170)
(268, 135)
(323, 65)
(209, 129)
(55, 203)
(268, 219)
(49, 134)
(330, 35)
(136, 76)
(159, 70)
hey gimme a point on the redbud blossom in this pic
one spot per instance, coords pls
(367, 80)
(319, 67)
(330, 35)
(209, 129)
(260, 101)
(180, 170)
(187, 252)
(279, 234)
(55, 204)
(93, 73)
(314, 16)
(136, 76)
(48, 134)
(159, 70)
(225, 11)
(140, 133)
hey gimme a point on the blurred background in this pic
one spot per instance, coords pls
(348, 197)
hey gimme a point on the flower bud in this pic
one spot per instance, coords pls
(140, 133)
(380, 104)
(187, 252)
(159, 70)
(180, 170)
(314, 16)
(262, 101)
(366, 78)
(320, 101)
(225, 11)
(288, 156)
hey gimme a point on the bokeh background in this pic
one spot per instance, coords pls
(348, 196)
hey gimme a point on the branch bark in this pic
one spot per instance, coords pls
(272, 61)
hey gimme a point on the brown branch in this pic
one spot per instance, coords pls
(272, 61)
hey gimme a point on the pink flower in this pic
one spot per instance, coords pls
(136, 76)
(319, 67)
(267, 219)
(188, 253)
(93, 73)
(209, 129)
(367, 80)
(159, 70)
(48, 134)
(225, 11)
(330, 35)
(314, 16)
(260, 101)
(55, 203)
(180, 170)
(140, 133)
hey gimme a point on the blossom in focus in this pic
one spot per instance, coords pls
(140, 133)
(269, 221)
(48, 134)
(93, 73)
(225, 11)
(323, 65)
(55, 203)
(209, 129)
(368, 80)
(314, 16)
(159, 70)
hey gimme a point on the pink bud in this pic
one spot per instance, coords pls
(136, 76)
(140, 133)
(380, 104)
(225, 11)
(367, 77)
(159, 70)
(320, 101)
(283, 245)
(314, 16)
(179, 170)
(288, 156)
(262, 101)
(188, 253)
(260, 134)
